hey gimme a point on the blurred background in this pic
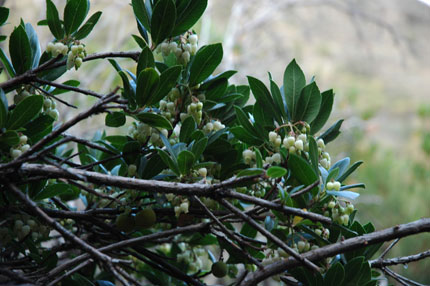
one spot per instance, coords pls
(374, 54)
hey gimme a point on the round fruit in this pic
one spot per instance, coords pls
(146, 218)
(219, 269)
(125, 223)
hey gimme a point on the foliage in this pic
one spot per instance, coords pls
(199, 173)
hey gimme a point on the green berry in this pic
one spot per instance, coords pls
(132, 170)
(330, 186)
(124, 222)
(146, 218)
(219, 269)
(331, 204)
(336, 185)
(301, 245)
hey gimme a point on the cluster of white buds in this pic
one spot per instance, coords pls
(50, 108)
(275, 139)
(339, 213)
(20, 96)
(57, 49)
(195, 257)
(183, 50)
(248, 156)
(168, 110)
(325, 160)
(75, 56)
(324, 232)
(141, 131)
(22, 147)
(335, 185)
(182, 208)
(296, 145)
(213, 126)
(274, 159)
(195, 110)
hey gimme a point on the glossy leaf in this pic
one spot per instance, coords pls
(52, 191)
(185, 162)
(199, 147)
(188, 13)
(294, 82)
(313, 153)
(276, 172)
(146, 60)
(154, 120)
(308, 105)
(38, 125)
(302, 170)
(169, 161)
(334, 275)
(163, 20)
(327, 98)
(6, 63)
(53, 20)
(20, 50)
(4, 108)
(86, 29)
(250, 172)
(25, 111)
(10, 138)
(141, 13)
(74, 14)
(115, 119)
(168, 80)
(244, 121)
(263, 98)
(205, 62)
(4, 14)
(34, 45)
(147, 83)
(332, 132)
(277, 97)
(73, 83)
(240, 133)
(342, 165)
(349, 171)
(187, 128)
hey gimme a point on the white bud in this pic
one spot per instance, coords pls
(331, 204)
(321, 144)
(336, 185)
(194, 48)
(164, 48)
(50, 47)
(276, 158)
(173, 46)
(203, 172)
(25, 147)
(193, 39)
(15, 153)
(74, 49)
(178, 52)
(301, 246)
(170, 106)
(329, 186)
(272, 136)
(299, 145)
(187, 48)
(54, 113)
(302, 137)
(292, 150)
(291, 140)
(186, 57)
(78, 63)
(218, 126)
(23, 139)
(209, 126)
(277, 142)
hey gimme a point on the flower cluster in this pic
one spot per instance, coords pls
(183, 48)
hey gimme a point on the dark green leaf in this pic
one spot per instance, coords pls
(6, 63)
(71, 82)
(248, 230)
(258, 158)
(147, 83)
(349, 171)
(146, 60)
(240, 133)
(74, 14)
(187, 128)
(4, 14)
(154, 120)
(131, 151)
(188, 12)
(276, 172)
(313, 153)
(4, 109)
(353, 186)
(52, 191)
(163, 20)
(205, 62)
(185, 162)
(277, 97)
(38, 125)
(263, 98)
(25, 111)
(250, 172)
(199, 147)
(140, 42)
(34, 45)
(168, 80)
(20, 50)
(327, 98)
(115, 119)
(353, 268)
(332, 174)
(308, 105)
(332, 132)
(302, 170)
(334, 275)
(294, 82)
(244, 121)
(154, 166)
(53, 19)
(169, 161)
(86, 29)
(10, 138)
(141, 13)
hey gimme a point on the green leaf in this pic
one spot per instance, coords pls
(244, 121)
(276, 172)
(353, 268)
(302, 171)
(147, 83)
(332, 132)
(131, 151)
(115, 119)
(73, 83)
(38, 125)
(188, 13)
(154, 120)
(86, 29)
(7, 64)
(334, 275)
(4, 14)
(199, 147)
(308, 105)
(74, 14)
(313, 153)
(187, 128)
(4, 109)
(168, 80)
(277, 97)
(34, 45)
(263, 98)
(327, 98)
(185, 162)
(349, 171)
(240, 133)
(250, 172)
(53, 19)
(141, 13)
(169, 161)
(248, 230)
(146, 60)
(258, 158)
(163, 20)
(52, 191)
(20, 50)
(25, 111)
(344, 194)
(294, 82)
(10, 138)
(205, 62)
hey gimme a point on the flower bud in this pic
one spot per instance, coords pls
(299, 145)
(203, 172)
(193, 39)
